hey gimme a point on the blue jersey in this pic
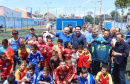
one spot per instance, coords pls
(2, 49)
(100, 51)
(42, 78)
(35, 59)
(89, 80)
(14, 44)
(33, 78)
(15, 82)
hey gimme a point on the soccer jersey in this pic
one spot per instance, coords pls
(33, 78)
(5, 68)
(19, 75)
(24, 54)
(35, 59)
(104, 80)
(42, 78)
(8, 51)
(59, 50)
(61, 73)
(80, 60)
(67, 51)
(31, 42)
(89, 80)
(73, 56)
(41, 46)
(86, 63)
(14, 44)
(15, 82)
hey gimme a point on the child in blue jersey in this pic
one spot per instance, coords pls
(86, 77)
(35, 57)
(44, 77)
(30, 77)
(11, 80)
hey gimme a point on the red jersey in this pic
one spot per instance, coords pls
(80, 60)
(61, 73)
(67, 51)
(5, 67)
(86, 63)
(41, 46)
(104, 80)
(48, 49)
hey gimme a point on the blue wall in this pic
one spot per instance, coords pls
(62, 23)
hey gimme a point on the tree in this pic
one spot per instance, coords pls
(89, 18)
(113, 15)
(50, 19)
(97, 20)
(45, 14)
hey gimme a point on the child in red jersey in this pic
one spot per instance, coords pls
(71, 75)
(80, 60)
(41, 46)
(103, 77)
(48, 51)
(23, 52)
(61, 73)
(87, 58)
(68, 50)
(6, 66)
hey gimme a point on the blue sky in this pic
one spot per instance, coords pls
(72, 6)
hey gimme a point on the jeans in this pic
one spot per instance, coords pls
(96, 66)
(119, 73)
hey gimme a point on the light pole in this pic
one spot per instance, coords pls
(47, 3)
(27, 15)
(117, 7)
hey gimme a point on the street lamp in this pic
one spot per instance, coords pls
(47, 3)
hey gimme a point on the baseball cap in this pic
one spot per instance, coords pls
(31, 28)
(14, 32)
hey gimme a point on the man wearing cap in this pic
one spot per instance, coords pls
(29, 36)
(14, 43)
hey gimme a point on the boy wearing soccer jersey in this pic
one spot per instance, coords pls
(48, 51)
(71, 75)
(6, 66)
(31, 42)
(103, 77)
(68, 50)
(59, 48)
(61, 73)
(86, 77)
(23, 52)
(30, 77)
(80, 60)
(87, 58)
(21, 72)
(35, 57)
(7, 50)
(44, 77)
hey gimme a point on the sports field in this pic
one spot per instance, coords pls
(23, 33)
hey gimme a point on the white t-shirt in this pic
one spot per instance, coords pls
(47, 33)
(74, 61)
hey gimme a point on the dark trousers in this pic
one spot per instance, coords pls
(96, 66)
(78, 70)
(119, 73)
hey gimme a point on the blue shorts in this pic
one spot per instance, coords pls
(16, 60)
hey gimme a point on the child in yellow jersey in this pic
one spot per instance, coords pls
(21, 72)
(103, 77)
(23, 52)
(34, 41)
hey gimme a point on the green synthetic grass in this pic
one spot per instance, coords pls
(23, 33)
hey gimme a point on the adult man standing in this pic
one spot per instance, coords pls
(63, 35)
(29, 36)
(78, 37)
(121, 52)
(106, 36)
(14, 44)
(112, 32)
(83, 28)
(89, 32)
(90, 39)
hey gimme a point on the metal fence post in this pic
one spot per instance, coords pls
(14, 23)
(5, 23)
(21, 23)
(27, 23)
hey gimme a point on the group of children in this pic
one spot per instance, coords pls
(49, 63)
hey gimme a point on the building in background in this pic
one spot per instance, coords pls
(25, 14)
(7, 12)
(49, 17)
(36, 15)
